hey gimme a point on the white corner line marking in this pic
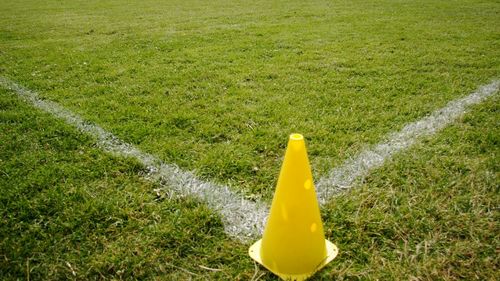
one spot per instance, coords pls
(357, 168)
(243, 219)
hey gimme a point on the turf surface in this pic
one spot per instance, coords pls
(217, 86)
(70, 211)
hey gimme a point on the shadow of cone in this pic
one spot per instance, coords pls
(293, 245)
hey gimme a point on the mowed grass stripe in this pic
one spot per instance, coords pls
(241, 217)
(343, 177)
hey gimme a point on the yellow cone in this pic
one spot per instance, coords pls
(293, 245)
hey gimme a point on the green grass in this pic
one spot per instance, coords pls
(67, 207)
(216, 86)
(431, 213)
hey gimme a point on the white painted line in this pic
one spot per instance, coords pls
(243, 219)
(356, 169)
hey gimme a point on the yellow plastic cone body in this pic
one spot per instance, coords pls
(293, 245)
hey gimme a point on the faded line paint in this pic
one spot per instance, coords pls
(357, 168)
(243, 219)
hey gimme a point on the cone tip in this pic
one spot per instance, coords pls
(296, 137)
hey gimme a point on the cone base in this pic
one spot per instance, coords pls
(331, 253)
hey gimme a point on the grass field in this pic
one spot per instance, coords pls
(216, 87)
